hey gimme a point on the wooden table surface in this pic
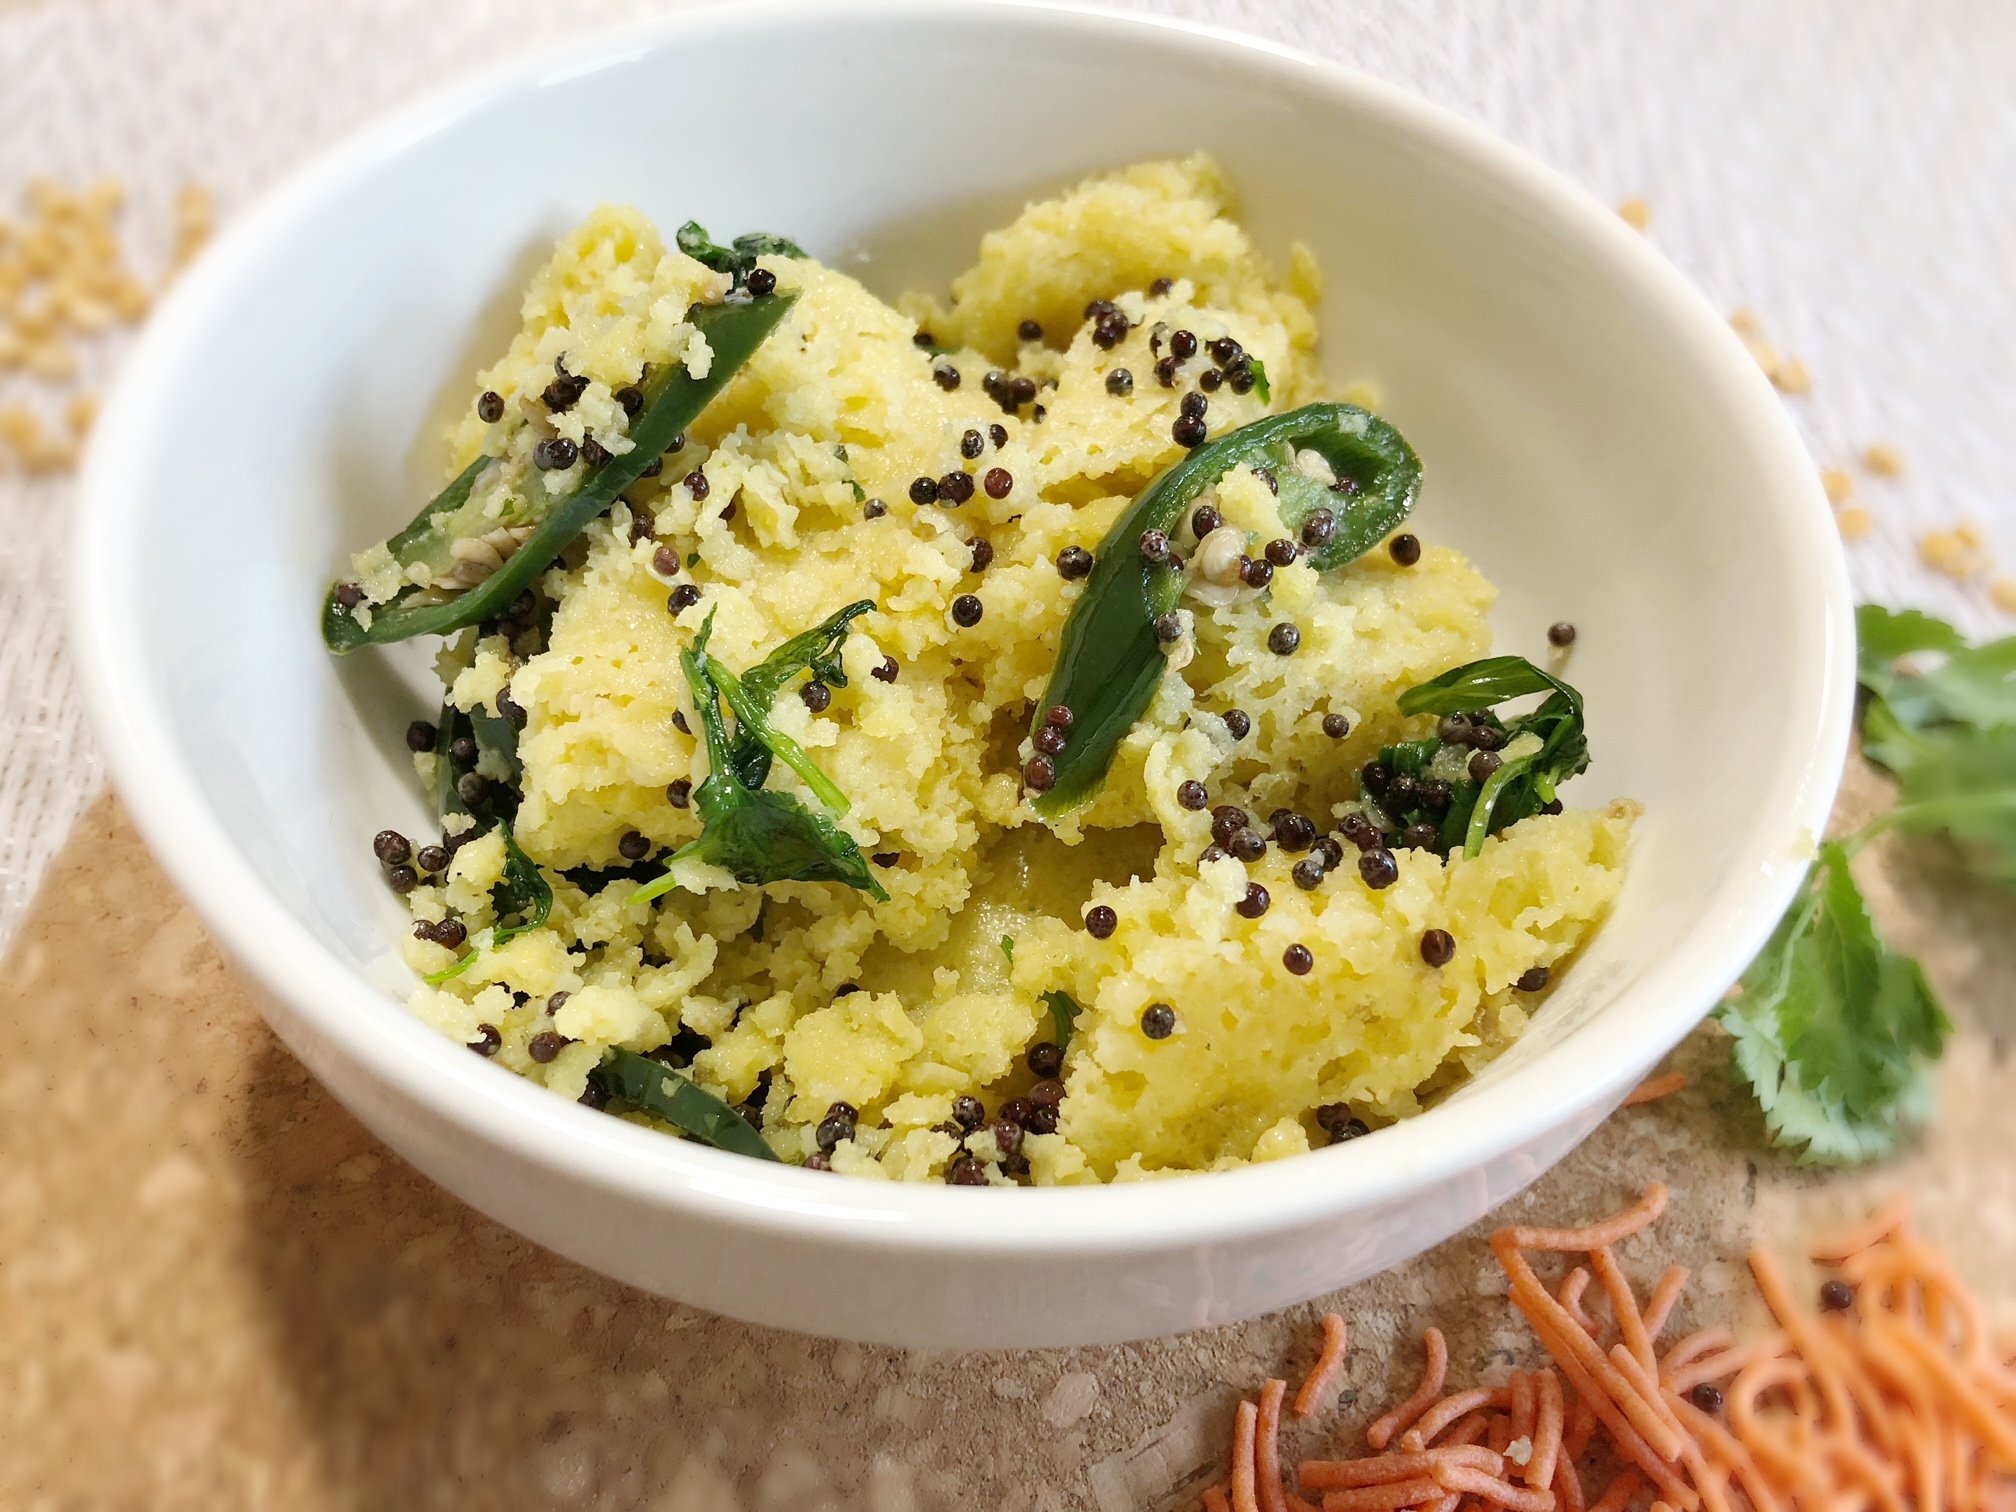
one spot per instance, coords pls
(217, 1291)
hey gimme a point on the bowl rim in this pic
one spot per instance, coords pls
(1582, 1076)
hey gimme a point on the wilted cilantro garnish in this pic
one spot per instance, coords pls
(1479, 774)
(756, 835)
(1834, 1029)
(738, 259)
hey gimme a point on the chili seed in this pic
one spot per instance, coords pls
(923, 490)
(1298, 960)
(1040, 774)
(1534, 980)
(555, 454)
(682, 598)
(1707, 1396)
(955, 488)
(1049, 740)
(1836, 1295)
(1318, 529)
(1238, 723)
(1154, 546)
(1029, 330)
(1073, 562)
(1405, 549)
(1438, 947)
(1203, 520)
(1119, 383)
(816, 696)
(1158, 1021)
(1189, 431)
(391, 847)
(1255, 903)
(431, 858)
(1336, 726)
(490, 407)
(966, 610)
(762, 281)
(544, 1046)
(1561, 633)
(945, 376)
(1191, 795)
(1168, 627)
(1378, 868)
(1283, 639)
(679, 793)
(1483, 764)
(665, 562)
(887, 671)
(1308, 873)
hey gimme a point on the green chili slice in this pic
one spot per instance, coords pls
(1110, 663)
(679, 1100)
(734, 329)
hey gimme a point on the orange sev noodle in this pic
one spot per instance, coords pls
(1322, 1378)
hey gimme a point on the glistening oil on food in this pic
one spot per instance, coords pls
(1029, 737)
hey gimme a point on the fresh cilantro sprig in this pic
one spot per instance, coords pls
(1835, 1030)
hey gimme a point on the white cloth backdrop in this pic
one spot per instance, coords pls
(1845, 167)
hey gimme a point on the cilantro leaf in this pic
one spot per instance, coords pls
(1538, 751)
(757, 836)
(735, 260)
(750, 696)
(1833, 1028)
(522, 894)
(1945, 727)
(1064, 1011)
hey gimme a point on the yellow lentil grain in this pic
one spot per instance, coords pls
(1883, 460)
(2004, 595)
(1636, 213)
(80, 413)
(1839, 484)
(1765, 354)
(1970, 535)
(1792, 377)
(54, 360)
(1745, 322)
(1855, 523)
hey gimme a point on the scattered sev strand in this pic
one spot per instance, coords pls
(1655, 1087)
(1895, 1398)
(1321, 1383)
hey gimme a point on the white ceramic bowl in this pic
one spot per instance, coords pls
(1592, 434)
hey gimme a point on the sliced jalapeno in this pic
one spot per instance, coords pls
(734, 329)
(1111, 662)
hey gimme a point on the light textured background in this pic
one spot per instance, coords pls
(1845, 167)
